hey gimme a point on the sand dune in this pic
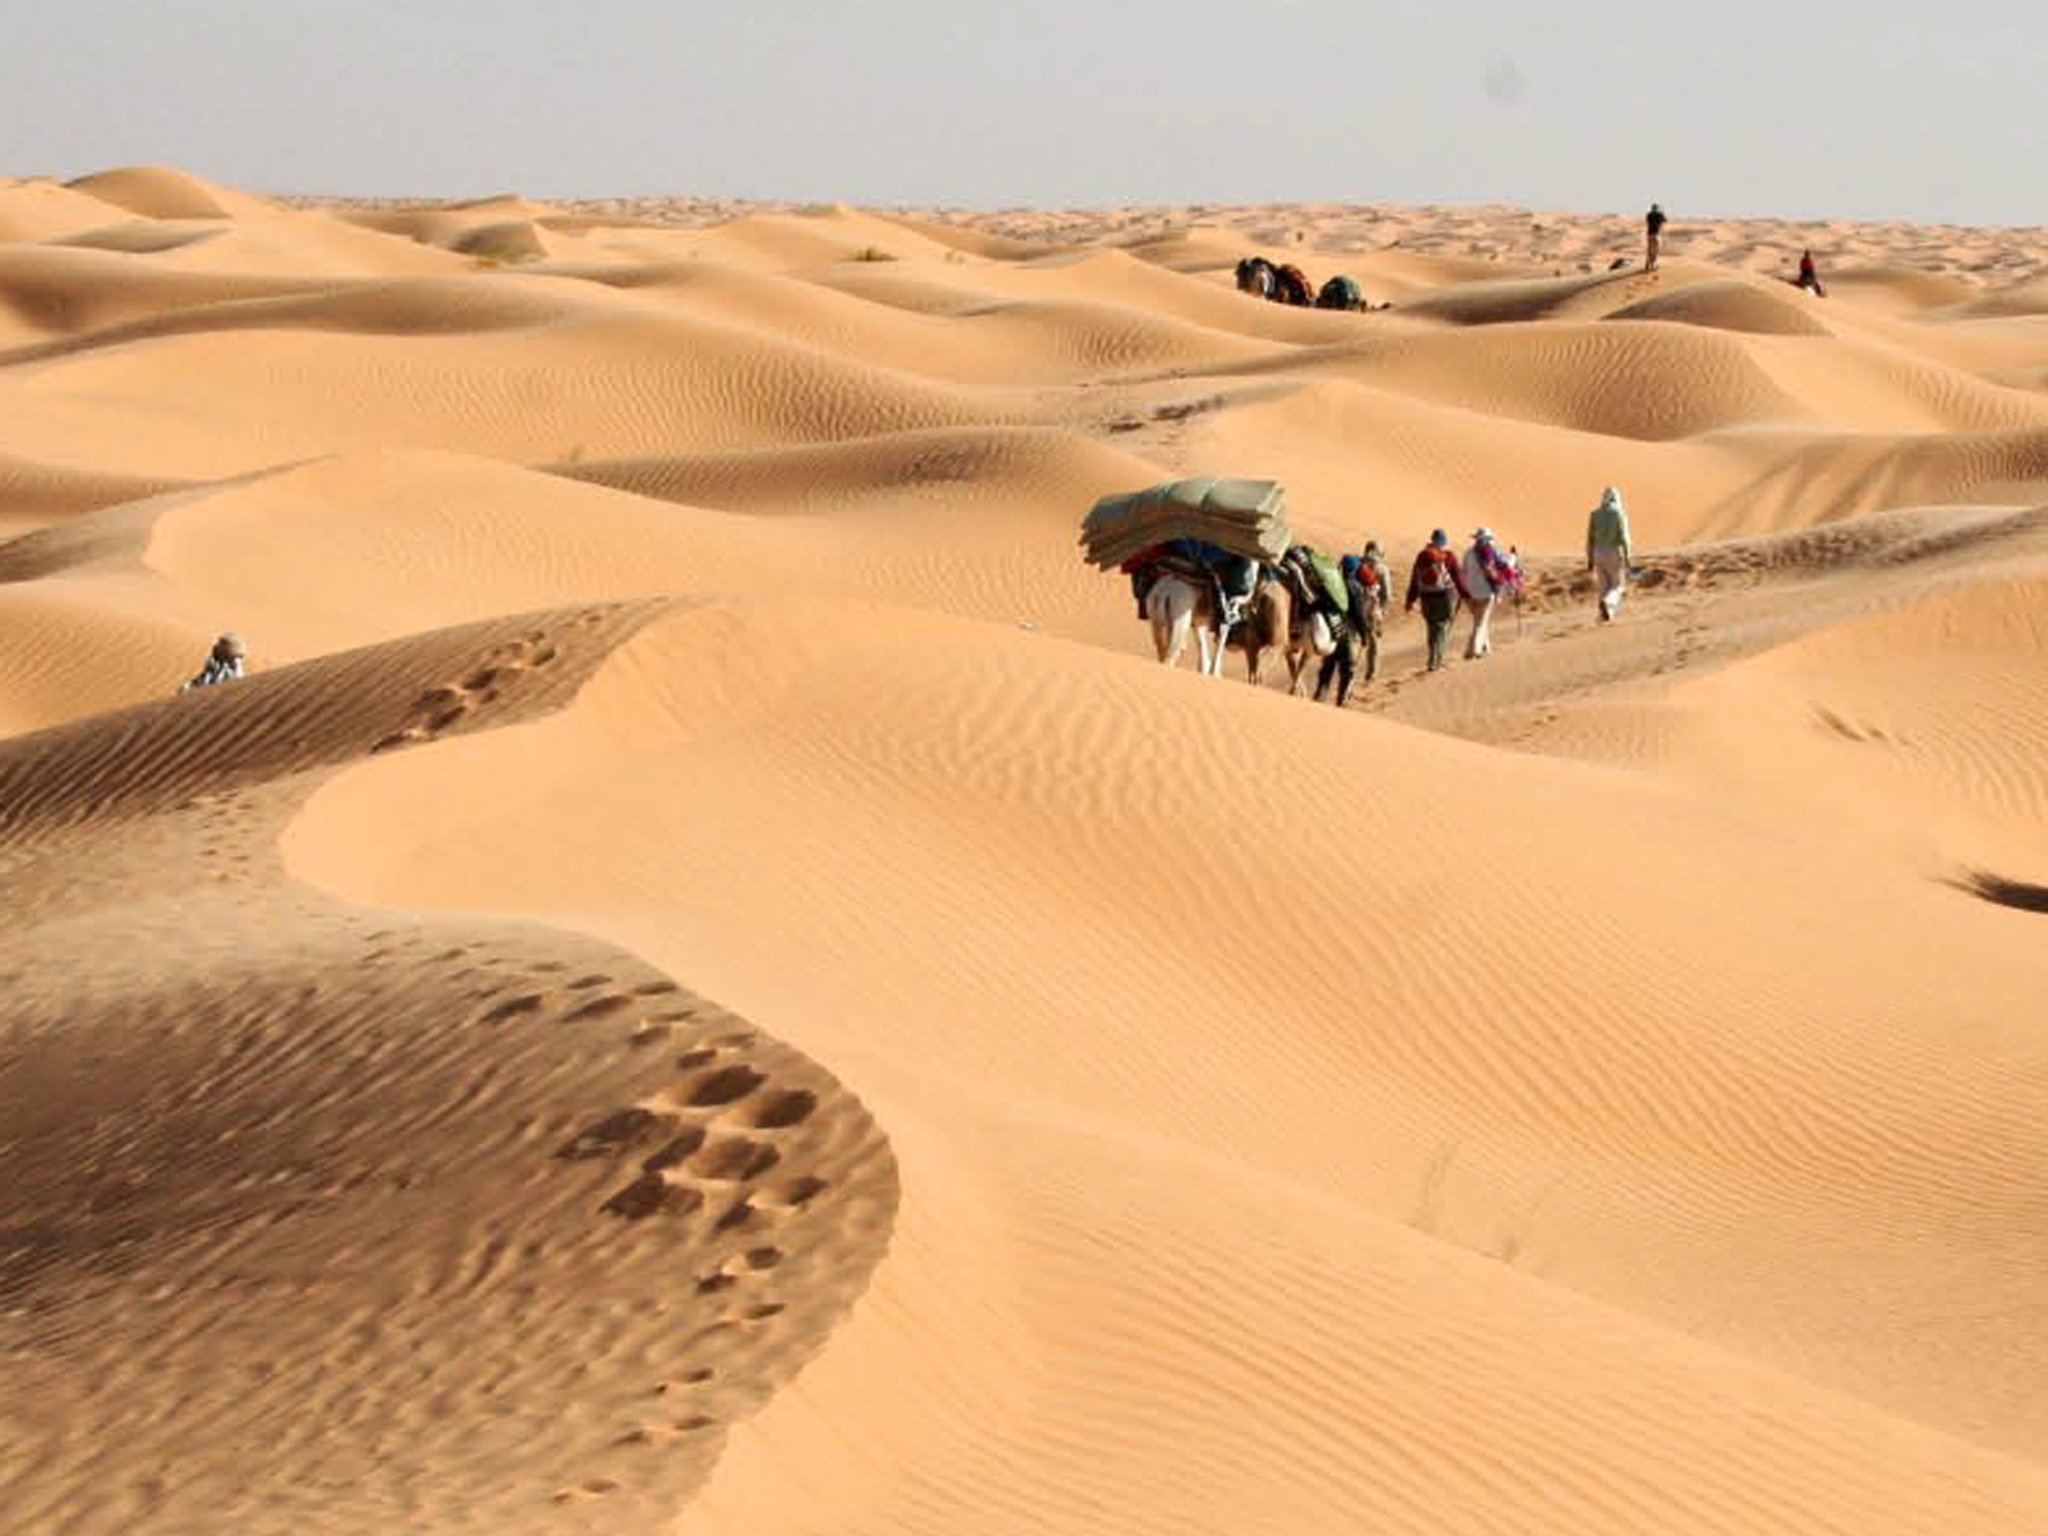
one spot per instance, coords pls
(163, 192)
(39, 209)
(1596, 1089)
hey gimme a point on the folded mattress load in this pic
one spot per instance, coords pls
(1245, 517)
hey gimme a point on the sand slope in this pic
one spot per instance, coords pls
(1599, 1089)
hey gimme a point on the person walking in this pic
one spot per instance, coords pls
(1436, 583)
(1484, 574)
(1653, 235)
(225, 663)
(1378, 582)
(1809, 276)
(1355, 629)
(1342, 662)
(1607, 550)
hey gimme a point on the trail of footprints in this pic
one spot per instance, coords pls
(725, 1146)
(441, 709)
(734, 1138)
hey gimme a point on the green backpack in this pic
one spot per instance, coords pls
(1332, 577)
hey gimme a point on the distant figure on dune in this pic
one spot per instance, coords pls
(1653, 233)
(1437, 583)
(1607, 551)
(224, 664)
(1809, 276)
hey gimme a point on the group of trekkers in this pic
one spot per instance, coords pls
(1350, 595)
(1353, 595)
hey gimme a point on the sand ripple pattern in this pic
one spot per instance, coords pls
(314, 1217)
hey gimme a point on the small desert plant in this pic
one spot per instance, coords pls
(873, 253)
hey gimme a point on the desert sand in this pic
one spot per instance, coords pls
(708, 981)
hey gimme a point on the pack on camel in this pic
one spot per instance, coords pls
(1282, 282)
(1257, 277)
(1180, 605)
(1195, 551)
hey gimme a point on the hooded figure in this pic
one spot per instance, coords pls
(224, 664)
(1607, 551)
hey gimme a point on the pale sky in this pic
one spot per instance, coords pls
(1929, 110)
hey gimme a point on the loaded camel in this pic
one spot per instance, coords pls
(1179, 604)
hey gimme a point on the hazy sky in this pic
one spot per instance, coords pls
(1931, 109)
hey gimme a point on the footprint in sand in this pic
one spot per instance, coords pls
(442, 708)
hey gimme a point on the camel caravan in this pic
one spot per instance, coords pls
(1285, 283)
(1214, 561)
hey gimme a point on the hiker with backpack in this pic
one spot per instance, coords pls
(1607, 550)
(1653, 236)
(1488, 573)
(1437, 583)
(1342, 662)
(225, 663)
(1352, 628)
(1377, 583)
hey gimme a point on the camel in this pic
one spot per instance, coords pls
(1268, 626)
(1309, 639)
(1178, 605)
(1281, 282)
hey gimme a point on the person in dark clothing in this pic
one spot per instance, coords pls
(1351, 628)
(1437, 583)
(1653, 232)
(1809, 276)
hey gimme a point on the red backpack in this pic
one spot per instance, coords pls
(1434, 570)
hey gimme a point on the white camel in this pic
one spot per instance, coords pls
(1176, 606)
